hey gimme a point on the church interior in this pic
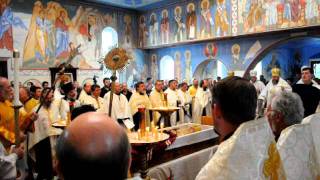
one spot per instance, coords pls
(170, 82)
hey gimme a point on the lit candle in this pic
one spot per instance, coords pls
(161, 127)
(147, 131)
(16, 56)
(156, 135)
(139, 134)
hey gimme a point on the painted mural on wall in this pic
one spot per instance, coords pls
(50, 31)
(235, 55)
(207, 19)
(185, 21)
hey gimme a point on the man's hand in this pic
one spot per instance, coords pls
(22, 136)
(18, 150)
(34, 116)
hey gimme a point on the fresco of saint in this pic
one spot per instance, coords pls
(191, 21)
(88, 25)
(153, 29)
(236, 63)
(271, 13)
(164, 27)
(47, 41)
(177, 66)
(221, 19)
(179, 25)
(211, 50)
(143, 32)
(154, 67)
(7, 20)
(62, 34)
(206, 20)
(311, 10)
(188, 72)
(254, 16)
(127, 31)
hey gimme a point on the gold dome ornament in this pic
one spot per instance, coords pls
(117, 59)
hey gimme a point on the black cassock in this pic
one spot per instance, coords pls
(310, 97)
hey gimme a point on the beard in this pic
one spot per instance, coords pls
(47, 104)
(274, 82)
(141, 93)
(205, 88)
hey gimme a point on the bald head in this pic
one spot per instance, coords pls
(24, 94)
(94, 145)
(6, 90)
(87, 87)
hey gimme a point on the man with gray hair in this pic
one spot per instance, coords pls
(285, 109)
(296, 145)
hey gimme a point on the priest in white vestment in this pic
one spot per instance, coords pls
(295, 144)
(186, 100)
(248, 150)
(120, 109)
(202, 103)
(156, 99)
(138, 99)
(259, 85)
(95, 100)
(85, 94)
(173, 100)
(69, 101)
(42, 141)
(276, 85)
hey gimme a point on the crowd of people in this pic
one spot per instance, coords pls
(262, 128)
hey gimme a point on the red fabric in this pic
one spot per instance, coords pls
(60, 24)
(83, 30)
(6, 42)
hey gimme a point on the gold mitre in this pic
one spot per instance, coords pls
(230, 73)
(275, 72)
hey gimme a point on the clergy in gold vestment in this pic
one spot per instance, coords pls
(248, 150)
(7, 125)
(156, 99)
(84, 96)
(28, 102)
(139, 98)
(193, 89)
(276, 85)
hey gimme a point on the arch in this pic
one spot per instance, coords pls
(259, 56)
(220, 70)
(109, 40)
(166, 68)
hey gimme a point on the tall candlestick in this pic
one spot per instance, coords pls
(16, 56)
(16, 101)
